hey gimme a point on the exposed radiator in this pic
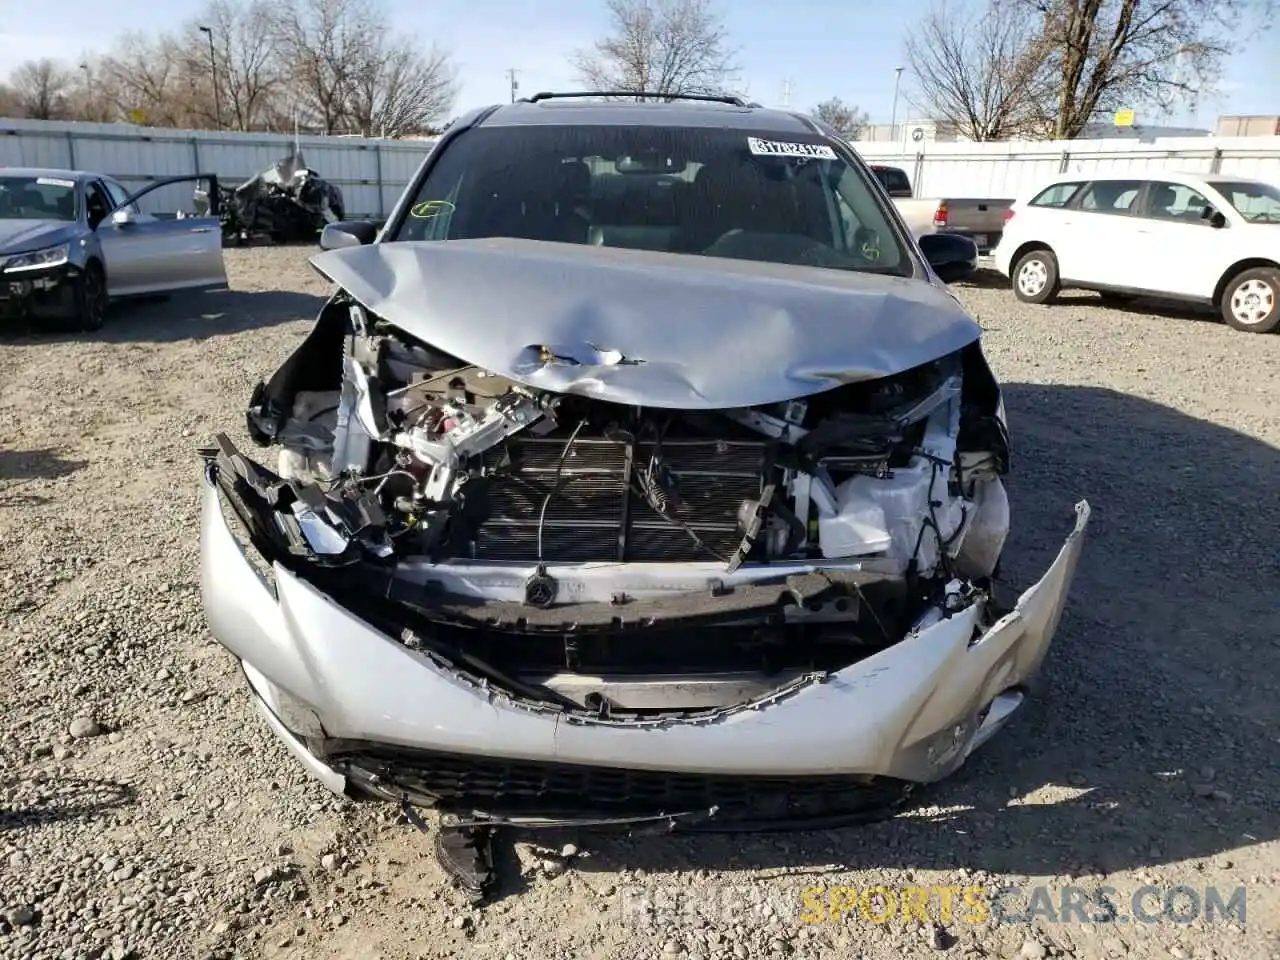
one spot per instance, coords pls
(596, 514)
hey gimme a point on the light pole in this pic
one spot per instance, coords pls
(515, 84)
(88, 91)
(893, 117)
(213, 66)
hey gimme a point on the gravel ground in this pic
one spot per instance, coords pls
(146, 812)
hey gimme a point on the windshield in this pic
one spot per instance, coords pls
(37, 198)
(1256, 202)
(709, 192)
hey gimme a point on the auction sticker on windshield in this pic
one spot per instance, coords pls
(776, 148)
(53, 182)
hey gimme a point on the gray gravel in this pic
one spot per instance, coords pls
(145, 812)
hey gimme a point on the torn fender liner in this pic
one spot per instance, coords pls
(697, 332)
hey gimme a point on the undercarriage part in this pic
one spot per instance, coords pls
(465, 853)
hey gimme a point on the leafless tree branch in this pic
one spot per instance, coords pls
(979, 68)
(847, 119)
(1108, 54)
(40, 89)
(662, 47)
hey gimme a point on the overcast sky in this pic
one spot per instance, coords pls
(824, 48)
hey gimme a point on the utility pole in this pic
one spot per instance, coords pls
(786, 92)
(515, 84)
(893, 117)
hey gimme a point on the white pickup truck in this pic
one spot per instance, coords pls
(981, 220)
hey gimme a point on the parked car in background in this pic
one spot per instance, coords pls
(894, 180)
(1208, 240)
(71, 241)
(981, 220)
(641, 467)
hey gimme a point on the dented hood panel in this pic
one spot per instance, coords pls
(655, 329)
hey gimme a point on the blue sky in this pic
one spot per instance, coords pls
(824, 48)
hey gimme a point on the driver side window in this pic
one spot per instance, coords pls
(97, 203)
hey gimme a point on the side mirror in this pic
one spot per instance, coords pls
(347, 233)
(123, 217)
(1215, 218)
(952, 256)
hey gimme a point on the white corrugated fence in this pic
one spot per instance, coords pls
(1008, 169)
(373, 172)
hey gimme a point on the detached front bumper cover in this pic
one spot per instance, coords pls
(361, 709)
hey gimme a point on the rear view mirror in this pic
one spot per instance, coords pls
(952, 256)
(347, 233)
(123, 217)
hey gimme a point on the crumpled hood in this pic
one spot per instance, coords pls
(21, 236)
(654, 329)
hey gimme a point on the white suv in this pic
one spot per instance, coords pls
(1212, 240)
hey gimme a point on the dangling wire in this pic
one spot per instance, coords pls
(555, 481)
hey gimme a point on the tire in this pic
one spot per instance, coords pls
(1035, 276)
(91, 297)
(1251, 300)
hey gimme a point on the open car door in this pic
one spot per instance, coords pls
(161, 251)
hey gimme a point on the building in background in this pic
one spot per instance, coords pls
(1251, 126)
(939, 131)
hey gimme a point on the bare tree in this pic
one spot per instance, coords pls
(246, 50)
(147, 78)
(41, 88)
(9, 106)
(1107, 54)
(660, 46)
(87, 98)
(398, 90)
(847, 119)
(323, 43)
(981, 67)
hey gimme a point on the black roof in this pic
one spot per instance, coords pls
(572, 109)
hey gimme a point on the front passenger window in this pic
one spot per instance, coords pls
(1174, 201)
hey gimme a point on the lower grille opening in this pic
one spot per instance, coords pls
(501, 787)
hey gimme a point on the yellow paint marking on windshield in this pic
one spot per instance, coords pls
(429, 209)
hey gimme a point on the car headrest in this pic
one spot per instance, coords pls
(1165, 197)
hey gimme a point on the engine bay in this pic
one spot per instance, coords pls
(420, 454)
(735, 549)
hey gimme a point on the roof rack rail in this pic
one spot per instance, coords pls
(639, 95)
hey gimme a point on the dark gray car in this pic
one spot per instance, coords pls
(71, 241)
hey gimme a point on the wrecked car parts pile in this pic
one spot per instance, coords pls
(286, 202)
